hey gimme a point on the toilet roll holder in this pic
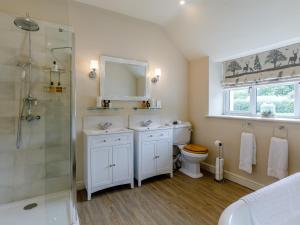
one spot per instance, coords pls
(219, 179)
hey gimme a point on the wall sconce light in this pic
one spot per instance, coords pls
(157, 76)
(93, 66)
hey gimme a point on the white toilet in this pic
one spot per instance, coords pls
(191, 154)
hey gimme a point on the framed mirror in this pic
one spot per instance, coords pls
(123, 79)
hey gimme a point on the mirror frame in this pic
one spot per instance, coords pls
(103, 60)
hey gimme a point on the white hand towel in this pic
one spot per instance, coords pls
(278, 158)
(247, 152)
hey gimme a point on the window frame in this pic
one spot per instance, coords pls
(253, 100)
(227, 103)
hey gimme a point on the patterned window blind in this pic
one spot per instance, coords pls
(282, 64)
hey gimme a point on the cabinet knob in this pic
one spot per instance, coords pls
(151, 136)
(161, 135)
(119, 139)
(104, 140)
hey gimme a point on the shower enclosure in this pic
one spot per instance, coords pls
(36, 123)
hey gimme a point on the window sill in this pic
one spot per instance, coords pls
(256, 118)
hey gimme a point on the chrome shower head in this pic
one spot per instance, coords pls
(26, 23)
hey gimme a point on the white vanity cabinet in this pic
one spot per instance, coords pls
(108, 160)
(153, 153)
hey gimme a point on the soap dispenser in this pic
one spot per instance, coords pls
(55, 66)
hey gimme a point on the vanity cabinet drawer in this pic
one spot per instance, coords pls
(120, 139)
(110, 140)
(156, 135)
(100, 141)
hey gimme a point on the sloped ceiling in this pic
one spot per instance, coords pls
(217, 28)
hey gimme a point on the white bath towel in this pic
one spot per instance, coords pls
(276, 204)
(278, 158)
(247, 152)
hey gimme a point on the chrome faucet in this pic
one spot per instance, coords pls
(147, 123)
(105, 126)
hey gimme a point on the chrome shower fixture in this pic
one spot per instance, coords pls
(26, 23)
(27, 103)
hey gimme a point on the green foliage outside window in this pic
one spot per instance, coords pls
(281, 90)
(282, 96)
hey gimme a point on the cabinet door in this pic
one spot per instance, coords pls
(163, 156)
(148, 164)
(122, 162)
(101, 166)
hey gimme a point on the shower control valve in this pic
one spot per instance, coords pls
(31, 118)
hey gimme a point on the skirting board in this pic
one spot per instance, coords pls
(234, 177)
(210, 168)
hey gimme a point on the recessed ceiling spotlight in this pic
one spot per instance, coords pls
(182, 2)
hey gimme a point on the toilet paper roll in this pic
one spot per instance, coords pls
(218, 143)
(219, 169)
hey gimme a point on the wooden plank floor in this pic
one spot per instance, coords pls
(161, 201)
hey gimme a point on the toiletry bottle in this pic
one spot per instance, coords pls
(99, 102)
(105, 104)
(153, 103)
(55, 66)
(144, 104)
(148, 104)
(158, 104)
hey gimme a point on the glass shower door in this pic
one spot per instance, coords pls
(35, 124)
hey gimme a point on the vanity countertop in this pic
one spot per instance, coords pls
(151, 128)
(94, 132)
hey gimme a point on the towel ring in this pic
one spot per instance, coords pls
(277, 132)
(248, 127)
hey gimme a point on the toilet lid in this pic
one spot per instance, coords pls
(196, 149)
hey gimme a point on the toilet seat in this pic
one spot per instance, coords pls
(193, 155)
(195, 149)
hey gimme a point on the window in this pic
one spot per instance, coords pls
(239, 100)
(279, 100)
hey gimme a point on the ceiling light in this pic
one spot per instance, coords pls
(182, 2)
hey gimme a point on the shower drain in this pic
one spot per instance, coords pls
(30, 206)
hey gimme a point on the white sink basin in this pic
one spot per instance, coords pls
(108, 131)
(155, 127)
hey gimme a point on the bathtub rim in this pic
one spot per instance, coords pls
(236, 214)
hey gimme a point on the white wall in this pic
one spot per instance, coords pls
(99, 32)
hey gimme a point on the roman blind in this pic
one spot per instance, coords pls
(271, 66)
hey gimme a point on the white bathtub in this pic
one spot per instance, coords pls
(276, 204)
(53, 209)
(236, 214)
